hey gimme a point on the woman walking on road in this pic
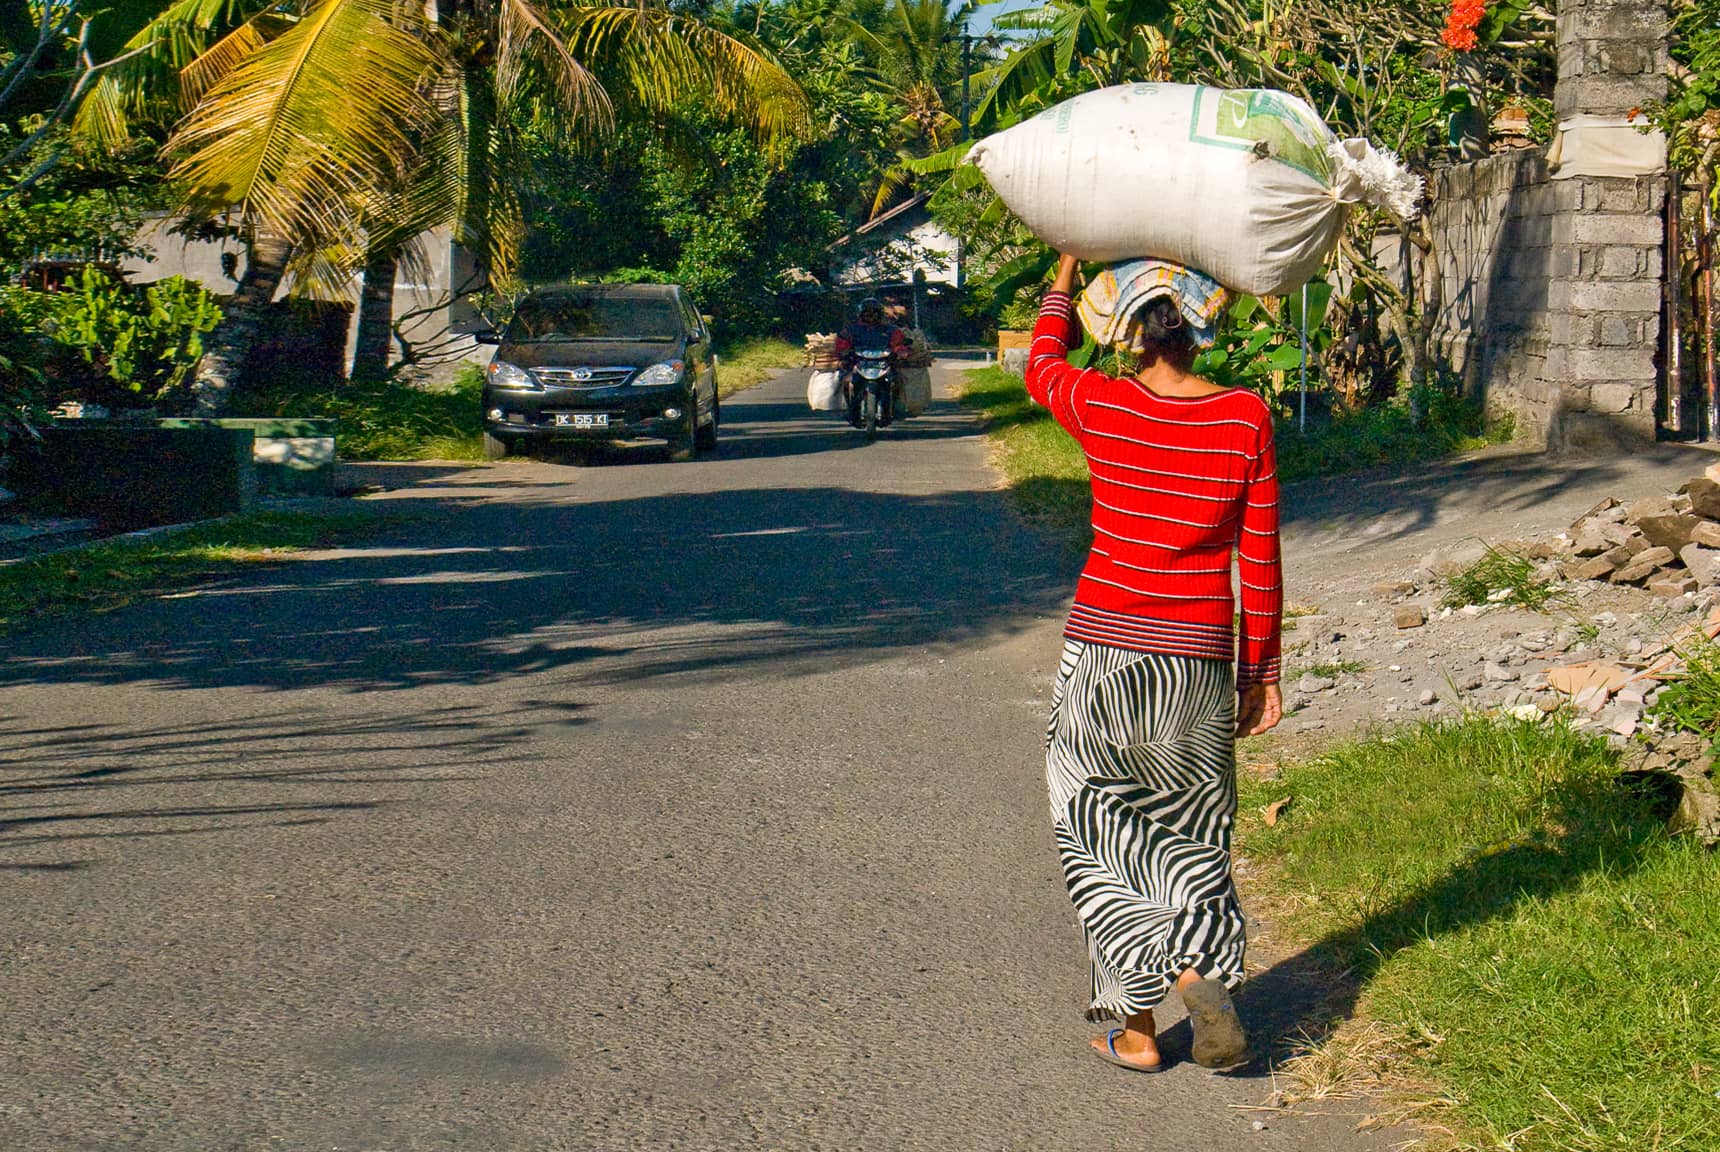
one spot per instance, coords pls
(1140, 757)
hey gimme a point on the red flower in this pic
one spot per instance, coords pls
(1461, 23)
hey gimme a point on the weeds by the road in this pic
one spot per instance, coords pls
(1048, 474)
(1493, 895)
(744, 363)
(1691, 701)
(1439, 424)
(1332, 669)
(1498, 576)
(387, 419)
(112, 573)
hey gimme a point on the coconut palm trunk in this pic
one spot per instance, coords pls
(375, 339)
(228, 348)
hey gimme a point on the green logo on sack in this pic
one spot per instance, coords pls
(1248, 118)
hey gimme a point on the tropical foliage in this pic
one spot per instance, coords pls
(1374, 68)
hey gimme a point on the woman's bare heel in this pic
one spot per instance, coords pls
(1219, 1041)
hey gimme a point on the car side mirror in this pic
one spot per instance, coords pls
(487, 336)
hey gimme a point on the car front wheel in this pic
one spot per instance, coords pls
(685, 441)
(706, 436)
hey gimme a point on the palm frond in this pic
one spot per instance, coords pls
(529, 47)
(226, 54)
(657, 59)
(299, 133)
(148, 81)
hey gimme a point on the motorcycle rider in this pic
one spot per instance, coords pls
(872, 332)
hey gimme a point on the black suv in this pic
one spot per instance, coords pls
(602, 362)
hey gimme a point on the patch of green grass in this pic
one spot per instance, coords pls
(387, 420)
(1691, 701)
(1496, 895)
(1044, 467)
(110, 574)
(1333, 669)
(1390, 434)
(1498, 577)
(744, 363)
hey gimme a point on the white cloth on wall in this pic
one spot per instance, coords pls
(1605, 146)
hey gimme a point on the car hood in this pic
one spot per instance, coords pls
(589, 353)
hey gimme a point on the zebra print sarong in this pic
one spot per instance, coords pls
(1141, 765)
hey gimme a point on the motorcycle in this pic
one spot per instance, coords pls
(870, 388)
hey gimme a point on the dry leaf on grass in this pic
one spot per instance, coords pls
(1272, 811)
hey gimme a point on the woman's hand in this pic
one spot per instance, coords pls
(1258, 708)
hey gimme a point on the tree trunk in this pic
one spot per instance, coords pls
(375, 319)
(230, 345)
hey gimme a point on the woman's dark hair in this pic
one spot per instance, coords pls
(1164, 335)
(1164, 329)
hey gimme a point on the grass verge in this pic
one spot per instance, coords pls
(745, 363)
(1492, 896)
(1048, 474)
(387, 420)
(1440, 425)
(1691, 701)
(110, 574)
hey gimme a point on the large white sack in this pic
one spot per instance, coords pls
(1247, 185)
(916, 388)
(824, 391)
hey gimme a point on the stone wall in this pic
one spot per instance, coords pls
(1550, 277)
(1492, 230)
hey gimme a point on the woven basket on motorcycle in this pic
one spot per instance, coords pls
(919, 353)
(820, 351)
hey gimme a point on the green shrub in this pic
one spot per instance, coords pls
(1435, 423)
(109, 338)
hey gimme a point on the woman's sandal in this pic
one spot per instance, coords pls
(1219, 1041)
(1110, 1055)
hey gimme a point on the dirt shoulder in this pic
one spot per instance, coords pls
(1347, 540)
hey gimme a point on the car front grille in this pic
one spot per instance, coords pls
(583, 377)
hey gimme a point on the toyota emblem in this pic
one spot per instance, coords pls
(581, 374)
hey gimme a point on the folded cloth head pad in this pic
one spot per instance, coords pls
(1109, 305)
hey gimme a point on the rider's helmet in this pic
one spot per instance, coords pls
(872, 310)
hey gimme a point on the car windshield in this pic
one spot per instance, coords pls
(597, 316)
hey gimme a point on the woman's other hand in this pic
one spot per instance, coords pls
(1066, 267)
(1258, 709)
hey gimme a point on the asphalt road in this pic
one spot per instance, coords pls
(626, 806)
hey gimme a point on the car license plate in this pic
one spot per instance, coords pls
(582, 419)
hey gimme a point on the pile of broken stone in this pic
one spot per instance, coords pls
(1667, 544)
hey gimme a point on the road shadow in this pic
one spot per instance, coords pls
(80, 783)
(502, 586)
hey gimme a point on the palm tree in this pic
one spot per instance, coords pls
(919, 64)
(341, 129)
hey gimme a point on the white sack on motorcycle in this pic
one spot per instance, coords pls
(824, 391)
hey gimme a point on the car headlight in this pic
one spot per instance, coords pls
(505, 375)
(656, 376)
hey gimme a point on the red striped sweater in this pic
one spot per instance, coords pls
(1178, 482)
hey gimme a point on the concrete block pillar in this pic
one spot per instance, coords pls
(1602, 372)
